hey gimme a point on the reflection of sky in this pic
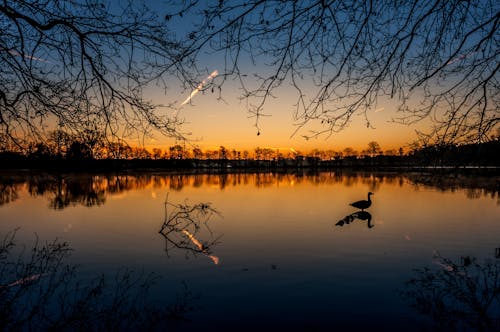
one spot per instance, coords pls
(280, 252)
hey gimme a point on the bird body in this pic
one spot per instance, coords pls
(363, 204)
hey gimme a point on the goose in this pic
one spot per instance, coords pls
(363, 204)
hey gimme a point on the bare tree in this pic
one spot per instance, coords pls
(439, 59)
(373, 148)
(68, 64)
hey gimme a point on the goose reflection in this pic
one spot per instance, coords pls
(361, 215)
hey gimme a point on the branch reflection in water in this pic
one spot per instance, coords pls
(40, 290)
(458, 296)
(184, 225)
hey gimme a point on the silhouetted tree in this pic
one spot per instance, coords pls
(81, 62)
(157, 153)
(373, 148)
(79, 151)
(197, 153)
(222, 152)
(437, 58)
(60, 141)
(349, 152)
(40, 151)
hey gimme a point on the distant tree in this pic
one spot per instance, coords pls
(316, 153)
(157, 153)
(268, 153)
(116, 150)
(197, 153)
(94, 139)
(222, 152)
(350, 152)
(125, 151)
(60, 141)
(210, 154)
(40, 151)
(258, 153)
(437, 58)
(373, 148)
(177, 152)
(79, 151)
(330, 154)
(140, 153)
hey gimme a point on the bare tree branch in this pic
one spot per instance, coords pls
(71, 64)
(438, 58)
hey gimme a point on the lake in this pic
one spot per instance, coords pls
(264, 250)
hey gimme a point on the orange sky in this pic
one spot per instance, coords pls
(213, 123)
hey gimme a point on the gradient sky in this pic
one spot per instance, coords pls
(210, 121)
(213, 122)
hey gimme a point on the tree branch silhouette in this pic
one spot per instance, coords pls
(438, 59)
(75, 64)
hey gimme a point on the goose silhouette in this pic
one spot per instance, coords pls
(363, 204)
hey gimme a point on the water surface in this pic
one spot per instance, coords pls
(275, 254)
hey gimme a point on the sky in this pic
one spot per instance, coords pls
(211, 122)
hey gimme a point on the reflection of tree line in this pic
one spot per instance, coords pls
(8, 192)
(476, 186)
(92, 190)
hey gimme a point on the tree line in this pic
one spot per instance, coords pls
(62, 146)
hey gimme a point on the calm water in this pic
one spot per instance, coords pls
(274, 255)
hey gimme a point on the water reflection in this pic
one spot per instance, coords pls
(64, 190)
(458, 296)
(361, 215)
(42, 291)
(185, 225)
(8, 193)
